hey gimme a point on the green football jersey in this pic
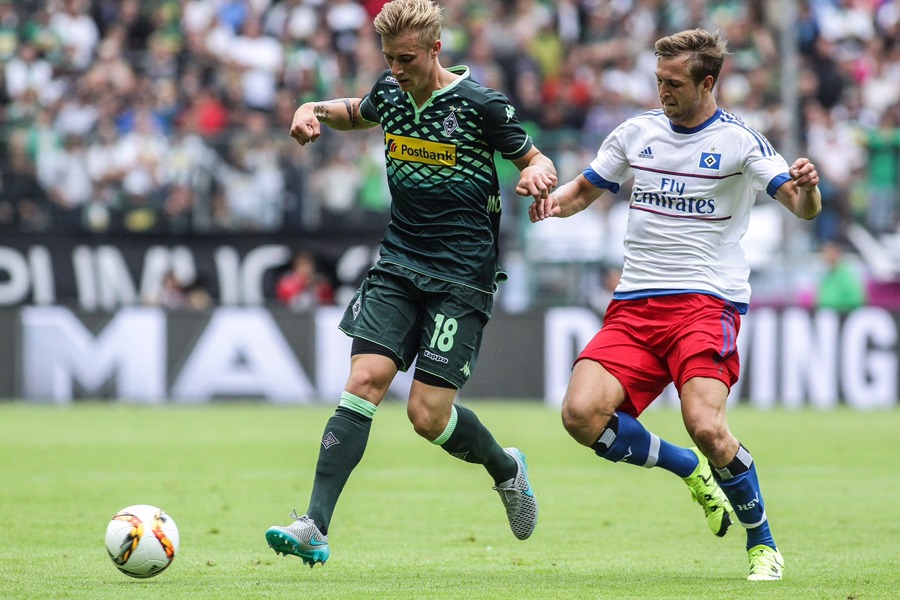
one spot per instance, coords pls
(445, 194)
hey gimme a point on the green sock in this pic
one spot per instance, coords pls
(343, 445)
(467, 439)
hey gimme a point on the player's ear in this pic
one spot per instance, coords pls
(435, 48)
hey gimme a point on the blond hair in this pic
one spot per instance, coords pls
(422, 17)
(707, 52)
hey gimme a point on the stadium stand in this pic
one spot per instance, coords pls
(171, 116)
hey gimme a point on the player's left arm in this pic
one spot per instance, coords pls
(801, 194)
(504, 131)
(537, 175)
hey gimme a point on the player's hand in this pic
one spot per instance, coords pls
(536, 181)
(305, 126)
(543, 208)
(803, 173)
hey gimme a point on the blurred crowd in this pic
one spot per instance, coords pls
(174, 115)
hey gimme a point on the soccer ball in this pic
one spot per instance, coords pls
(142, 540)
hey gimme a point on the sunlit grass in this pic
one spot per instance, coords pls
(416, 523)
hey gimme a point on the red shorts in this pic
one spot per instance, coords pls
(646, 344)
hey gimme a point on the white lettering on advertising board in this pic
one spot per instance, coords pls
(790, 358)
(242, 353)
(58, 352)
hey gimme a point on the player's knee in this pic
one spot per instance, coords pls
(712, 439)
(582, 420)
(428, 430)
(366, 384)
(424, 422)
(570, 418)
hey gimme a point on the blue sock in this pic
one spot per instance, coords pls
(625, 439)
(741, 485)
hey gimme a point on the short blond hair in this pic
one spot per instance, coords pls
(422, 17)
(707, 51)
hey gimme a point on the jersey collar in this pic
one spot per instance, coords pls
(700, 127)
(461, 70)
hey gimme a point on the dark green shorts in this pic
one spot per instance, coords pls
(437, 323)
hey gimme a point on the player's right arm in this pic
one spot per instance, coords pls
(566, 200)
(341, 114)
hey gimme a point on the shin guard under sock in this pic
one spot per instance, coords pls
(466, 438)
(740, 483)
(625, 439)
(343, 444)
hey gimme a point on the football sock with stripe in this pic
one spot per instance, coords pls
(343, 445)
(466, 438)
(740, 483)
(625, 439)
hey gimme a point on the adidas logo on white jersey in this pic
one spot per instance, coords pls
(646, 153)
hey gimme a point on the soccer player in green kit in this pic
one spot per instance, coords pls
(430, 295)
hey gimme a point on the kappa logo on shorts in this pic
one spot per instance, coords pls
(435, 357)
(330, 440)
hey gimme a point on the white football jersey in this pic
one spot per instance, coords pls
(690, 205)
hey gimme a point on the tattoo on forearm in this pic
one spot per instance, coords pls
(323, 111)
(351, 112)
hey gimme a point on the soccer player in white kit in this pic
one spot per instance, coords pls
(675, 314)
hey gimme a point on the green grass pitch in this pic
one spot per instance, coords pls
(416, 523)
